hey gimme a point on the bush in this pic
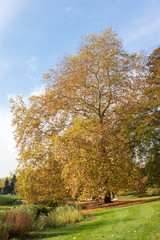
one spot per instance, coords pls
(19, 223)
(30, 209)
(60, 216)
(3, 227)
(14, 224)
(25, 218)
(153, 191)
(67, 215)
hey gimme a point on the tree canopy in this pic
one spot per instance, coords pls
(71, 138)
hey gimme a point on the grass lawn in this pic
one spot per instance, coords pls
(141, 221)
(8, 197)
(7, 201)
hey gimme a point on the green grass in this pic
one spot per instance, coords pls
(7, 201)
(137, 197)
(8, 197)
(140, 221)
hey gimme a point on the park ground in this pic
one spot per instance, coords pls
(131, 217)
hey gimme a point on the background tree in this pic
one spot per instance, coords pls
(7, 187)
(13, 184)
(142, 123)
(2, 181)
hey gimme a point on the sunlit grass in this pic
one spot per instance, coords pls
(132, 222)
(8, 197)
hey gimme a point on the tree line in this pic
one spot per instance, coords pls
(8, 185)
(95, 127)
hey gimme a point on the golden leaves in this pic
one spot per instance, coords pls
(70, 137)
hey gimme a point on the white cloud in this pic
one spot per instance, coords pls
(8, 10)
(37, 91)
(8, 152)
(32, 63)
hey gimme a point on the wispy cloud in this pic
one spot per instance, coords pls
(72, 11)
(8, 10)
(145, 28)
(32, 63)
(37, 91)
(68, 9)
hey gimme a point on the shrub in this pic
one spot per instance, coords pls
(37, 214)
(153, 191)
(25, 218)
(3, 227)
(19, 223)
(64, 215)
(60, 216)
(30, 209)
(14, 224)
(67, 215)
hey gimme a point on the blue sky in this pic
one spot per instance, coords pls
(35, 33)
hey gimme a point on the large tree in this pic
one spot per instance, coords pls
(92, 86)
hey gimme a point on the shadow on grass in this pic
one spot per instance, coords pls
(72, 230)
(90, 223)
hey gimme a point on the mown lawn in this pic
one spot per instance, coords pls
(141, 221)
(7, 201)
(7, 198)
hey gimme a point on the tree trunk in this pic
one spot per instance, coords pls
(107, 198)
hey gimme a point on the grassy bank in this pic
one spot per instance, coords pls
(132, 222)
(140, 221)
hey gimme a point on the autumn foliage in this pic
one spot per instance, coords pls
(72, 139)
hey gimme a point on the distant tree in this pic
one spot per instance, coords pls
(7, 187)
(12, 184)
(2, 180)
